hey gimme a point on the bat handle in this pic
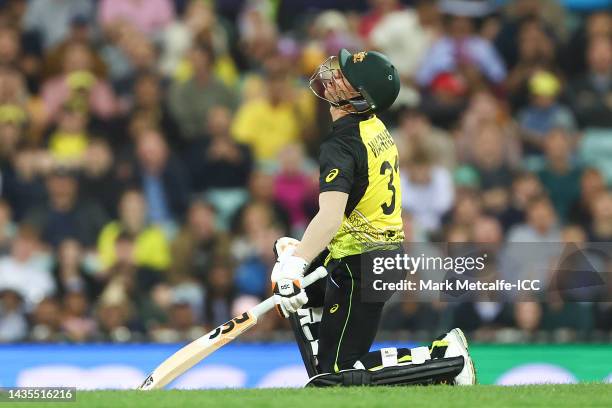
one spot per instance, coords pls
(314, 276)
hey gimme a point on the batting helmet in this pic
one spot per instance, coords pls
(370, 73)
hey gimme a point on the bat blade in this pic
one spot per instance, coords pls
(191, 354)
(197, 350)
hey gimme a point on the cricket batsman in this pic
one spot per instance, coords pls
(359, 219)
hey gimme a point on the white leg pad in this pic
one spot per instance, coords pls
(389, 356)
(420, 355)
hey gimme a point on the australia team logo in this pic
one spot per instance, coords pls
(359, 57)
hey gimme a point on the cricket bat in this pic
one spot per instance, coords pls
(200, 348)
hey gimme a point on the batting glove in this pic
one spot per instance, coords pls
(287, 276)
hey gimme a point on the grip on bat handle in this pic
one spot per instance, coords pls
(314, 276)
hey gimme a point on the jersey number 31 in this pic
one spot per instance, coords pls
(388, 209)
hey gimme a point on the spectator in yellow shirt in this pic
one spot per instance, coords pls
(276, 119)
(151, 248)
(69, 142)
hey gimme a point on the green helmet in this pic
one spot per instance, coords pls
(373, 76)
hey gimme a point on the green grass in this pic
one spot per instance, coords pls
(549, 396)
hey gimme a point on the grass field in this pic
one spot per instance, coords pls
(555, 396)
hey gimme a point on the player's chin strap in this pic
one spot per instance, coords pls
(392, 366)
(362, 103)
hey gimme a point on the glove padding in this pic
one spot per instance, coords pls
(285, 247)
(289, 296)
(287, 276)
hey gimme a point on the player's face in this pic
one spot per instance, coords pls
(329, 84)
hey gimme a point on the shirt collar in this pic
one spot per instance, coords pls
(349, 120)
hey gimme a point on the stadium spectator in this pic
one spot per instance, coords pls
(198, 244)
(252, 220)
(113, 316)
(331, 30)
(488, 230)
(544, 112)
(294, 189)
(280, 117)
(466, 209)
(148, 16)
(47, 322)
(594, 24)
(10, 47)
(199, 21)
(163, 178)
(128, 278)
(12, 122)
(149, 100)
(566, 307)
(51, 19)
(488, 157)
(64, 215)
(591, 185)
(528, 318)
(536, 52)
(427, 190)
(141, 55)
(189, 100)
(70, 274)
(13, 322)
(261, 191)
(394, 24)
(462, 51)
(220, 292)
(541, 223)
(416, 132)
(517, 15)
(560, 176)
(251, 249)
(127, 52)
(257, 36)
(150, 246)
(525, 186)
(483, 114)
(600, 229)
(78, 84)
(80, 34)
(23, 185)
(445, 100)
(380, 9)
(68, 143)
(218, 162)
(77, 324)
(182, 322)
(183, 315)
(591, 93)
(533, 245)
(99, 182)
(7, 228)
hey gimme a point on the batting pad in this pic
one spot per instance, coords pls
(438, 371)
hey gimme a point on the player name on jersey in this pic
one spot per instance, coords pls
(381, 142)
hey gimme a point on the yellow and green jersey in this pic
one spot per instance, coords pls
(360, 158)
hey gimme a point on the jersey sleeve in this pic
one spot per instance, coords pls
(337, 164)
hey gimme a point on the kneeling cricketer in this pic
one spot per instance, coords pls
(359, 219)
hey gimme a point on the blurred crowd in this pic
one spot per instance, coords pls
(152, 151)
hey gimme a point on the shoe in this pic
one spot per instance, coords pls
(458, 346)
